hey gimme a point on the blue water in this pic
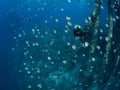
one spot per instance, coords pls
(62, 66)
(6, 62)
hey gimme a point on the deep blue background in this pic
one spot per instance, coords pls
(6, 62)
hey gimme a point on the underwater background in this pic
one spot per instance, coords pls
(39, 49)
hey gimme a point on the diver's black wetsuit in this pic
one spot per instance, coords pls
(79, 33)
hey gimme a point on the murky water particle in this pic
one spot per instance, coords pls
(64, 61)
(51, 17)
(98, 47)
(66, 31)
(104, 71)
(114, 20)
(86, 21)
(107, 25)
(13, 49)
(31, 57)
(19, 35)
(45, 65)
(94, 81)
(38, 30)
(32, 77)
(58, 52)
(45, 4)
(107, 39)
(101, 81)
(101, 30)
(101, 7)
(68, 18)
(74, 47)
(81, 70)
(69, 1)
(101, 37)
(114, 50)
(92, 67)
(28, 45)
(51, 43)
(24, 33)
(25, 54)
(117, 17)
(26, 68)
(80, 84)
(33, 44)
(48, 54)
(14, 38)
(55, 31)
(52, 62)
(101, 52)
(93, 59)
(56, 20)
(111, 35)
(66, 26)
(108, 83)
(76, 56)
(29, 86)
(107, 19)
(36, 15)
(83, 55)
(43, 50)
(46, 21)
(69, 23)
(33, 30)
(49, 58)
(117, 85)
(37, 44)
(36, 36)
(28, 72)
(89, 60)
(86, 44)
(116, 10)
(39, 85)
(46, 32)
(46, 50)
(38, 71)
(86, 85)
(42, 36)
(119, 73)
(68, 43)
(20, 71)
(74, 60)
(24, 64)
(27, 42)
(32, 62)
(32, 69)
(89, 18)
(62, 9)
(29, 9)
(42, 8)
(38, 77)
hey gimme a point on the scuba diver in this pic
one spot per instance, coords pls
(78, 32)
